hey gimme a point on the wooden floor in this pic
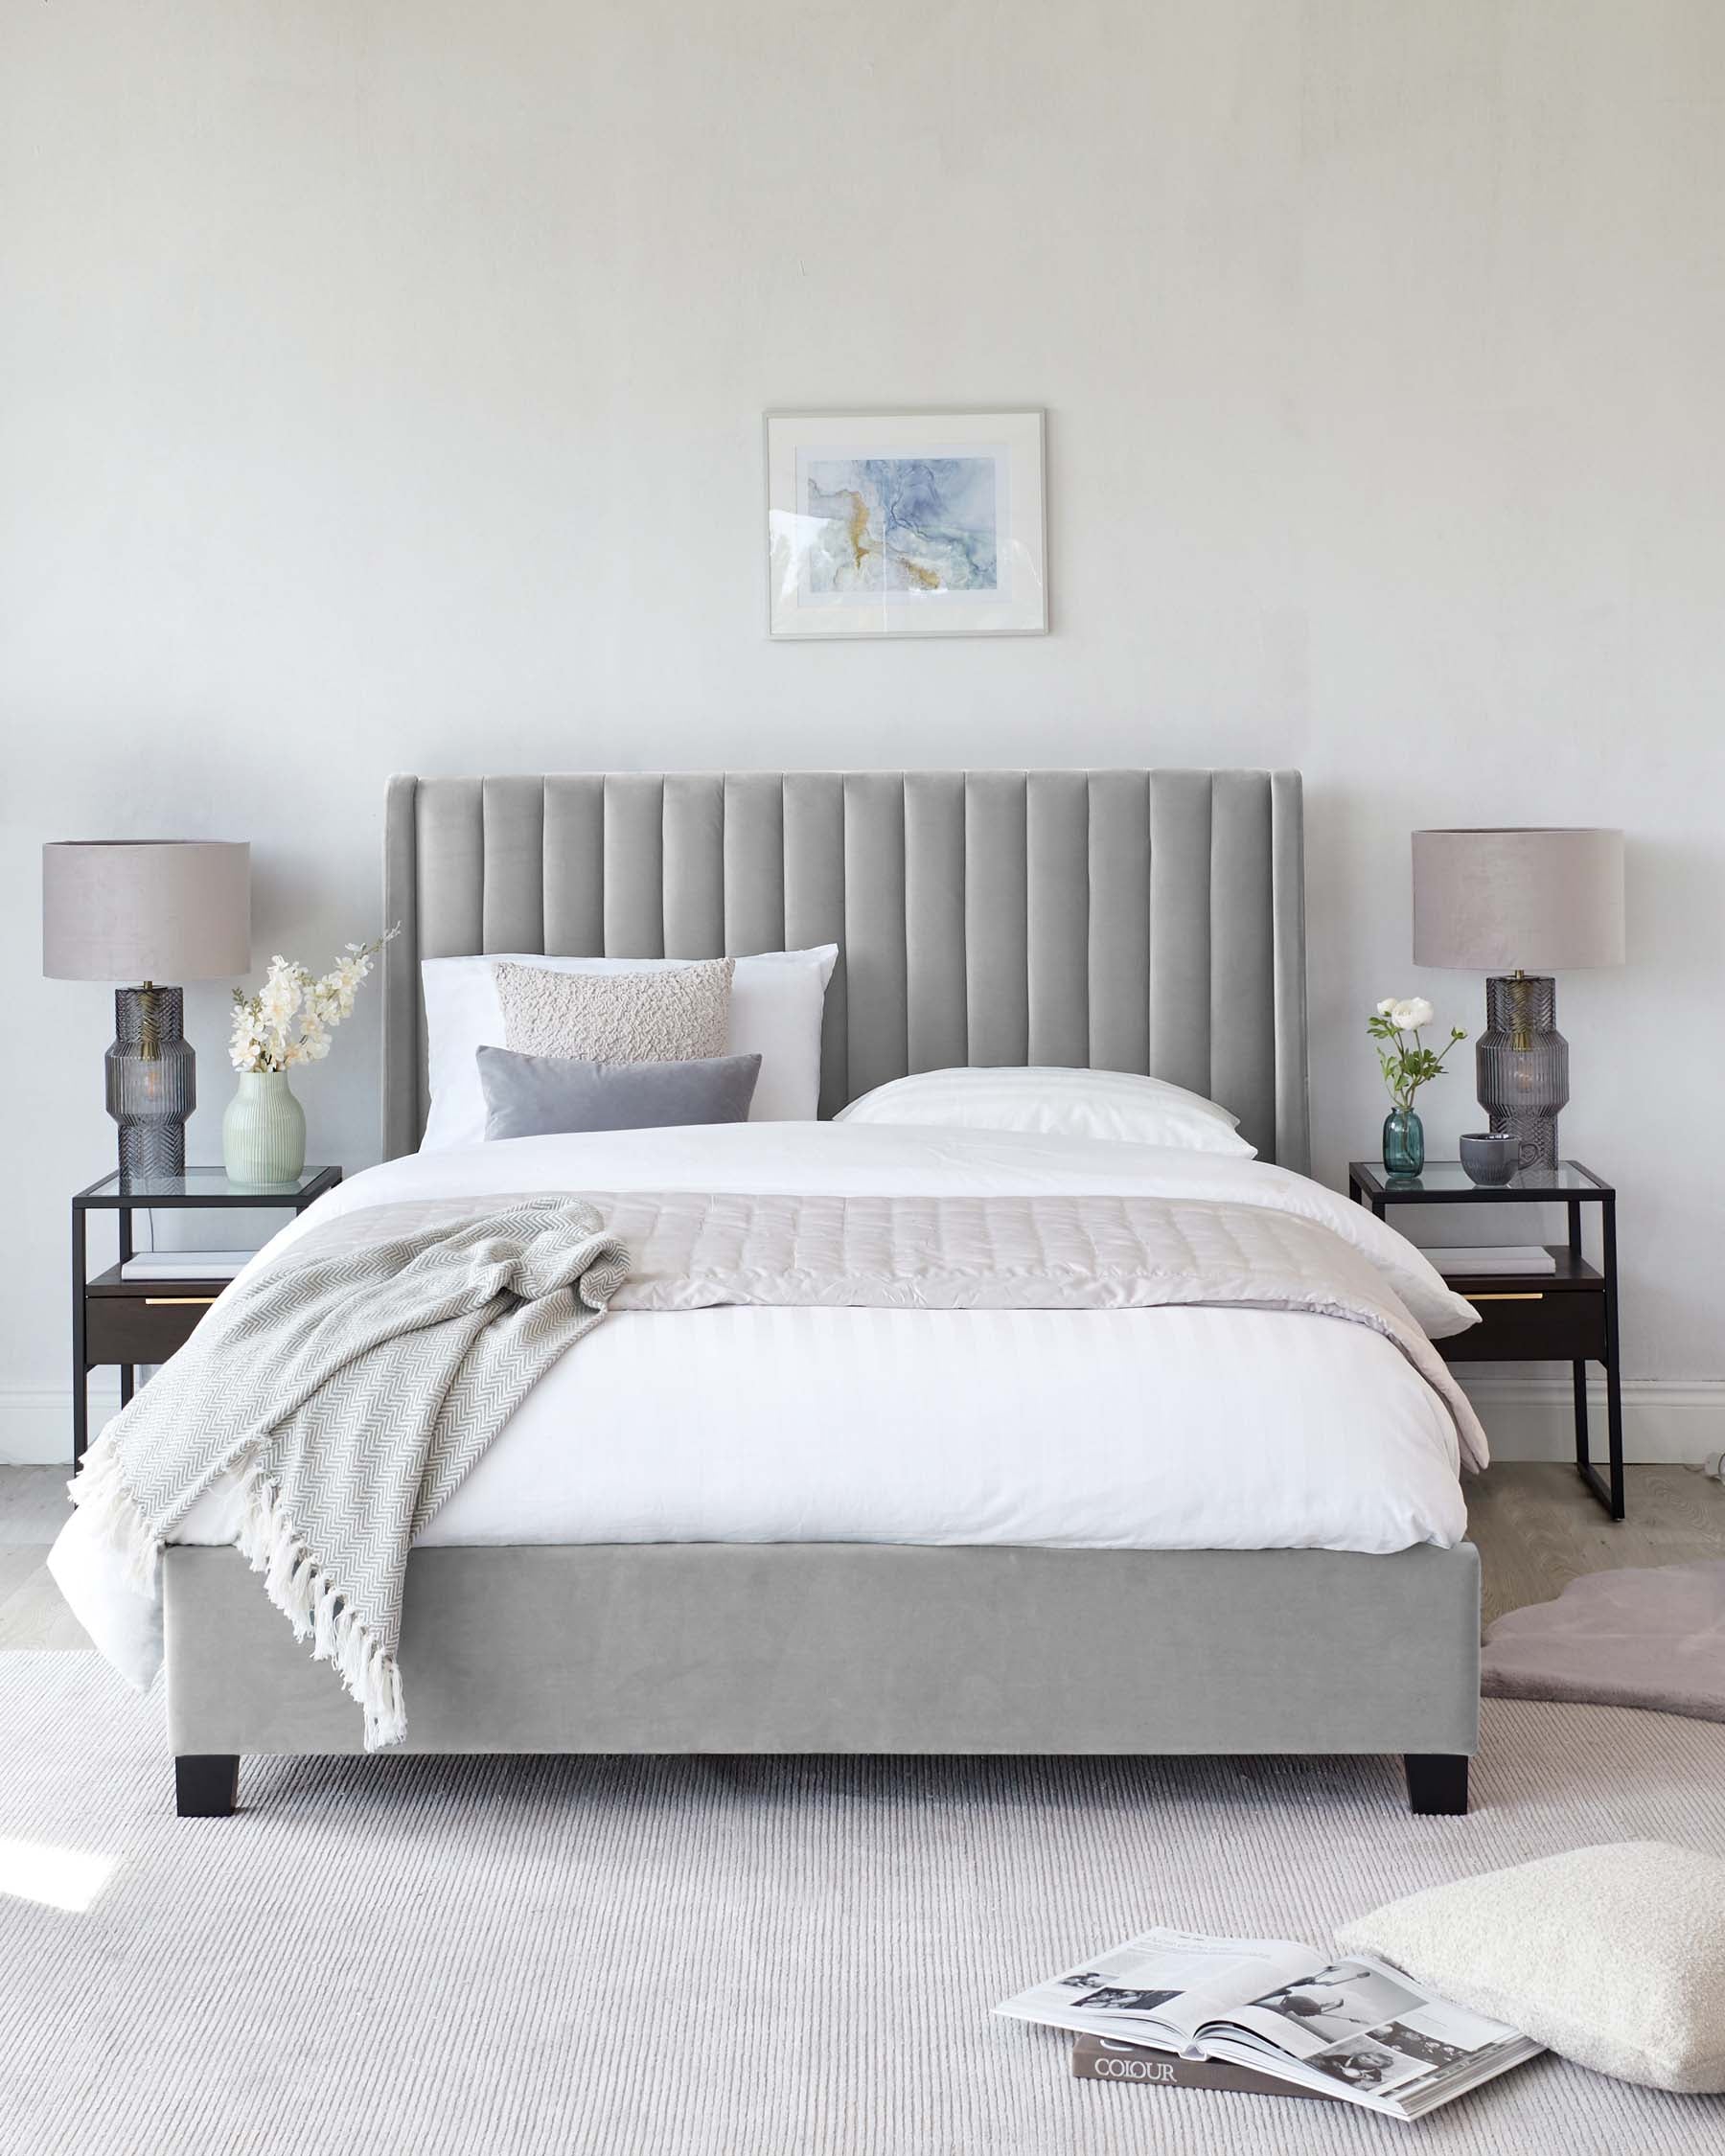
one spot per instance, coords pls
(1536, 1527)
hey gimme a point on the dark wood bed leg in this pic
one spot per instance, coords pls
(206, 1784)
(1436, 1782)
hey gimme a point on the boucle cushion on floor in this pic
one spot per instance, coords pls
(668, 1016)
(1614, 1956)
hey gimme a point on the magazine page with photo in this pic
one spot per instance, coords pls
(1356, 2029)
(1372, 2031)
(1163, 1986)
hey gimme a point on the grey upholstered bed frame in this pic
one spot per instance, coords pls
(1133, 920)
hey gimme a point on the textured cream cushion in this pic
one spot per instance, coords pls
(1613, 1956)
(669, 1016)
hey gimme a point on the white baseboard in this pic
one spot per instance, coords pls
(1525, 1419)
(36, 1427)
(1533, 1417)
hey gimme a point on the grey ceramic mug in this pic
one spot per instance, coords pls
(1490, 1158)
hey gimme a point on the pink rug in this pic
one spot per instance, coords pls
(1638, 1638)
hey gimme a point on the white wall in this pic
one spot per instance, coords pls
(381, 386)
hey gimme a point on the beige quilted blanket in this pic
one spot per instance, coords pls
(690, 1250)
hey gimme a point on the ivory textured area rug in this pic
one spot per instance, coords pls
(758, 1958)
(1648, 1636)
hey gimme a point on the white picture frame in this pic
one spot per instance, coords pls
(905, 524)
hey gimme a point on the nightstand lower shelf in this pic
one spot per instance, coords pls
(1561, 1317)
(1545, 1318)
(1569, 1315)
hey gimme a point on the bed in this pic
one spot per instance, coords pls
(1136, 921)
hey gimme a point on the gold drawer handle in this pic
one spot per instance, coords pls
(1536, 1298)
(177, 1302)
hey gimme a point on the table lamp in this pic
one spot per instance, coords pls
(138, 910)
(1499, 902)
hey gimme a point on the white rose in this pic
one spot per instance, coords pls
(1422, 1013)
(1387, 1006)
(1401, 1017)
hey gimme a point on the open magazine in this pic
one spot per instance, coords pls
(1356, 2029)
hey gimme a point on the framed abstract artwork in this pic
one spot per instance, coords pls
(905, 524)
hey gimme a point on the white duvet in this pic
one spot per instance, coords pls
(1169, 1428)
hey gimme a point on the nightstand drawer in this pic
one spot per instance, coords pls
(143, 1323)
(1531, 1324)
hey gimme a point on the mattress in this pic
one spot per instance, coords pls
(1164, 1428)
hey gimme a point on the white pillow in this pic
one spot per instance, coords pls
(1055, 1103)
(778, 998)
(1615, 1957)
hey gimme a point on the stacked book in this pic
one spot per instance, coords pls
(1508, 1261)
(1175, 2010)
(1102, 2058)
(185, 1264)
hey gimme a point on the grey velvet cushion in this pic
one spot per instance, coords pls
(680, 1012)
(537, 1096)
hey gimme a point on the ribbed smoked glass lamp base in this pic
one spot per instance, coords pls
(151, 1081)
(1522, 1063)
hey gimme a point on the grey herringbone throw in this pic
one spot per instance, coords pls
(354, 1388)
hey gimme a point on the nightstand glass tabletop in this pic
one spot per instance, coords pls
(203, 1186)
(1446, 1180)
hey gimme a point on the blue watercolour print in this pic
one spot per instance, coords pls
(902, 525)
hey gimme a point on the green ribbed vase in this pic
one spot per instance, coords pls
(263, 1130)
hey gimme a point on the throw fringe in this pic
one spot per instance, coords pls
(100, 1490)
(318, 1611)
(271, 1543)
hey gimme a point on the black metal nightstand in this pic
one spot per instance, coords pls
(1570, 1316)
(134, 1321)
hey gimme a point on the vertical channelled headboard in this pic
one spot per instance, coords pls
(1149, 921)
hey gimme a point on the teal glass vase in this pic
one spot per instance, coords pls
(1404, 1142)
